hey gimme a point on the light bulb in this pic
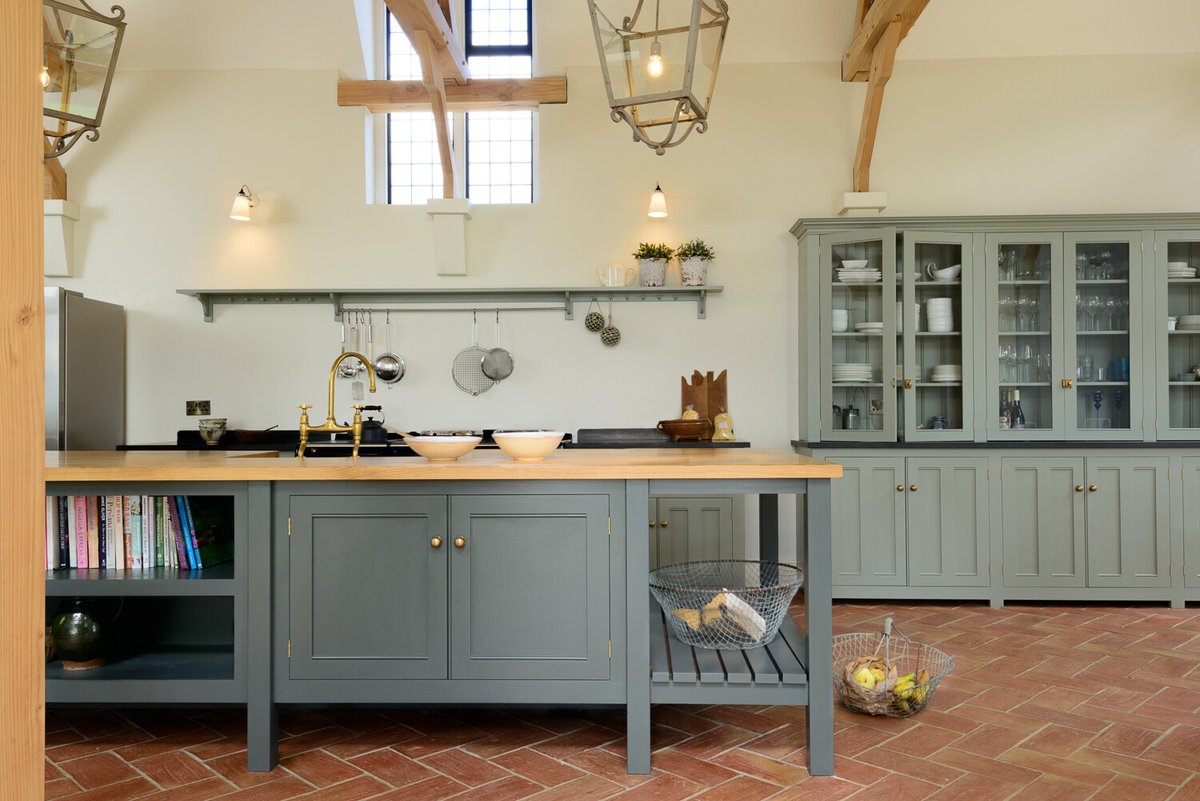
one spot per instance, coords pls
(45, 76)
(654, 67)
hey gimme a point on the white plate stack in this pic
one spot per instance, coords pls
(858, 272)
(1180, 269)
(869, 328)
(900, 316)
(1188, 322)
(857, 372)
(939, 315)
(946, 374)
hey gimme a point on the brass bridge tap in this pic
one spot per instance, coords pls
(330, 425)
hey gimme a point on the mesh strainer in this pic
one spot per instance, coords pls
(467, 370)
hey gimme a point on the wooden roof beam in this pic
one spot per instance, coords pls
(430, 17)
(435, 86)
(856, 62)
(474, 95)
(883, 59)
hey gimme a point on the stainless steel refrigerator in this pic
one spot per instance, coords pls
(85, 373)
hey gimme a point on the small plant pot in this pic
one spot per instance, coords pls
(652, 271)
(694, 271)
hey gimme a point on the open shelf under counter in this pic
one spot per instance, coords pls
(215, 580)
(170, 676)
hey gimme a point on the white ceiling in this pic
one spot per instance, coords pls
(322, 34)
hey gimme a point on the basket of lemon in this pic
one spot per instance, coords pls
(886, 673)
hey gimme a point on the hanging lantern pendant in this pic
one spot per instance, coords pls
(660, 80)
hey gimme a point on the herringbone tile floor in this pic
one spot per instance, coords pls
(1045, 702)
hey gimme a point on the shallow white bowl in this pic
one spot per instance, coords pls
(528, 446)
(854, 264)
(442, 449)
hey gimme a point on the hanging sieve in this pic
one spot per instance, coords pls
(389, 365)
(467, 369)
(497, 363)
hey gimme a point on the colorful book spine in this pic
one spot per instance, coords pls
(147, 531)
(51, 532)
(135, 529)
(122, 509)
(191, 527)
(185, 532)
(81, 535)
(93, 531)
(97, 502)
(116, 554)
(64, 530)
(72, 535)
(177, 532)
(169, 535)
(160, 559)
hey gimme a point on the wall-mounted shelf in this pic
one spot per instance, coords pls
(465, 298)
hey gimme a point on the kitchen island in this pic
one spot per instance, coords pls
(481, 581)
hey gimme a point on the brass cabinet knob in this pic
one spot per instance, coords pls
(460, 542)
(662, 523)
(1068, 383)
(653, 523)
(1079, 488)
(912, 487)
(899, 488)
(1092, 488)
(436, 542)
(908, 383)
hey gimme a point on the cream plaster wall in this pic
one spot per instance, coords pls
(1064, 135)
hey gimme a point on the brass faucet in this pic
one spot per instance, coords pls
(331, 425)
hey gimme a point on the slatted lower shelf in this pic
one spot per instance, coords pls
(772, 674)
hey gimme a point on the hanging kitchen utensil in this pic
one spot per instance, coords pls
(346, 369)
(497, 363)
(389, 366)
(467, 370)
(594, 320)
(611, 335)
(356, 389)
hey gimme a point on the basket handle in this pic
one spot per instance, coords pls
(887, 627)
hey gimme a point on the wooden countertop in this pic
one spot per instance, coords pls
(636, 463)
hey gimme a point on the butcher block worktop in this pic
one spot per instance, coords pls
(649, 463)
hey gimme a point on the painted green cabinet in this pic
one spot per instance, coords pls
(465, 587)
(868, 523)
(1191, 521)
(947, 522)
(1128, 522)
(1042, 519)
(687, 529)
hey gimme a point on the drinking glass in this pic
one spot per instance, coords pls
(1085, 368)
(1111, 307)
(1008, 264)
(1023, 313)
(1093, 305)
(1025, 368)
(1008, 306)
(1124, 303)
(1079, 310)
(1010, 362)
(1033, 314)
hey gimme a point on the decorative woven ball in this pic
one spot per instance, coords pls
(594, 321)
(611, 335)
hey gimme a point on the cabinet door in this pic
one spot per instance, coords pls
(1128, 526)
(947, 522)
(1042, 522)
(868, 523)
(529, 587)
(687, 529)
(1103, 315)
(938, 330)
(1177, 295)
(1024, 333)
(368, 589)
(1191, 521)
(858, 357)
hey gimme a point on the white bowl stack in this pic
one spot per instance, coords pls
(939, 315)
(1180, 269)
(946, 374)
(858, 271)
(852, 372)
(1188, 322)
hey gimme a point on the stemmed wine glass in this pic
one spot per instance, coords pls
(1008, 305)
(1093, 305)
(1111, 307)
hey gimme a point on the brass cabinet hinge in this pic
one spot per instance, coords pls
(610, 526)
(610, 649)
(289, 526)
(289, 649)
(989, 568)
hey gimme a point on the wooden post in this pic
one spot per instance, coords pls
(882, 62)
(431, 75)
(22, 334)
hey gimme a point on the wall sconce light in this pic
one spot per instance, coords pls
(658, 203)
(243, 201)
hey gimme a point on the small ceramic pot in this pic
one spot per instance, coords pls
(652, 271)
(78, 632)
(694, 271)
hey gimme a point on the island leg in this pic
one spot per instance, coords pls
(818, 624)
(637, 627)
(262, 741)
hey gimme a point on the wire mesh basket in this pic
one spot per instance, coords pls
(725, 603)
(886, 673)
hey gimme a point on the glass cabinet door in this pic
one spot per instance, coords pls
(1177, 327)
(1103, 314)
(935, 319)
(1024, 351)
(858, 340)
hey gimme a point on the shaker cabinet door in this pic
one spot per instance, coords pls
(948, 522)
(1042, 522)
(689, 529)
(1128, 525)
(868, 523)
(1191, 521)
(530, 589)
(367, 587)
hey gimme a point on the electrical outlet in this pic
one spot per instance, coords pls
(195, 408)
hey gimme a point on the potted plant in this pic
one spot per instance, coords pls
(694, 257)
(652, 262)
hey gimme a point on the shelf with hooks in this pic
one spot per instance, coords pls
(561, 299)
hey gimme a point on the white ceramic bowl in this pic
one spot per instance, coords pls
(528, 446)
(948, 274)
(1177, 265)
(441, 449)
(854, 264)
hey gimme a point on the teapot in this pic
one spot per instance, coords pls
(616, 275)
(372, 429)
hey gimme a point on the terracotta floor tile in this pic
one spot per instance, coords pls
(897, 788)
(922, 740)
(743, 788)
(82, 748)
(173, 769)
(55, 789)
(974, 787)
(353, 790)
(120, 791)
(697, 770)
(853, 739)
(197, 791)
(567, 745)
(989, 740)
(681, 718)
(606, 764)
(283, 789)
(709, 744)
(165, 745)
(97, 770)
(1056, 788)
(818, 788)
(990, 768)
(1044, 763)
(393, 768)
(922, 768)
(233, 769)
(585, 788)
(320, 769)
(1124, 739)
(511, 789)
(660, 788)
(1189, 791)
(1058, 740)
(761, 767)
(538, 767)
(465, 768)
(779, 743)
(1131, 766)
(1180, 747)
(1125, 788)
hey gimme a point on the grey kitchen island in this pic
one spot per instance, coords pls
(477, 582)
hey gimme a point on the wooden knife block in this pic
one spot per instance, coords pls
(707, 395)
